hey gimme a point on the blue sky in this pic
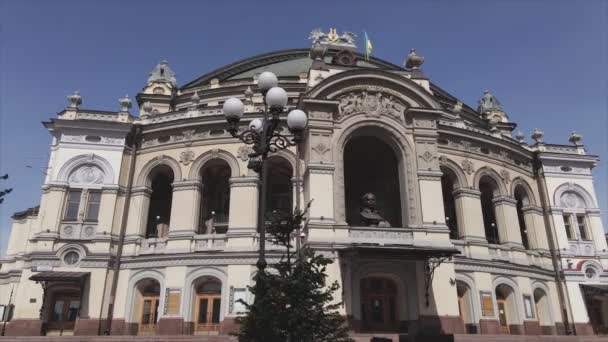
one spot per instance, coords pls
(546, 61)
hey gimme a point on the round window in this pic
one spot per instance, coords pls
(71, 258)
(590, 273)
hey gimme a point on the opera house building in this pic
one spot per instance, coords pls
(439, 216)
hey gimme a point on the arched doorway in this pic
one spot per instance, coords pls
(159, 212)
(215, 204)
(207, 306)
(379, 304)
(64, 304)
(465, 306)
(370, 166)
(145, 306)
(507, 308)
(543, 310)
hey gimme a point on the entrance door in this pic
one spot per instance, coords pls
(378, 305)
(63, 315)
(502, 316)
(149, 315)
(208, 313)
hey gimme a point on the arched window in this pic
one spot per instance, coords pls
(488, 189)
(84, 195)
(215, 204)
(574, 216)
(159, 213)
(521, 196)
(279, 191)
(448, 179)
(370, 166)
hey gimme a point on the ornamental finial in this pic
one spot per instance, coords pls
(520, 136)
(413, 61)
(125, 103)
(575, 138)
(195, 98)
(74, 100)
(537, 135)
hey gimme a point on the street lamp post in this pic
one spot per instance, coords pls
(265, 137)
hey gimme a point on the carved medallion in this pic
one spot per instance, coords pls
(67, 231)
(88, 231)
(186, 157)
(427, 156)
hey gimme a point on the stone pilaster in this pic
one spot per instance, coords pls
(243, 217)
(535, 225)
(138, 211)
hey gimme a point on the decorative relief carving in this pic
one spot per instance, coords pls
(380, 234)
(87, 174)
(89, 231)
(243, 152)
(321, 145)
(68, 230)
(506, 177)
(320, 115)
(186, 157)
(571, 200)
(467, 166)
(425, 123)
(372, 104)
(427, 152)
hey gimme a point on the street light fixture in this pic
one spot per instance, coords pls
(265, 137)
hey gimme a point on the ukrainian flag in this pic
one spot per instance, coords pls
(368, 46)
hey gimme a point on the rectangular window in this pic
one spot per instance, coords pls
(580, 221)
(568, 227)
(93, 201)
(72, 205)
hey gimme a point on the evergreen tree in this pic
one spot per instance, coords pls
(293, 302)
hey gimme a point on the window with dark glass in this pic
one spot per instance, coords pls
(582, 228)
(568, 227)
(93, 201)
(72, 205)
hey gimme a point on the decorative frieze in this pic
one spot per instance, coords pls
(372, 104)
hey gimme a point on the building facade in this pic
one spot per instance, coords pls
(148, 222)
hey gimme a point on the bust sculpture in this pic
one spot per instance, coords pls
(369, 214)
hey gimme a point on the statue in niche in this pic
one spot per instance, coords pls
(369, 214)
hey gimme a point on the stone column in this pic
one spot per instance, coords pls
(185, 208)
(242, 220)
(470, 222)
(506, 220)
(295, 193)
(535, 225)
(138, 211)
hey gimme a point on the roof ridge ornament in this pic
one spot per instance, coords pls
(74, 100)
(413, 61)
(346, 39)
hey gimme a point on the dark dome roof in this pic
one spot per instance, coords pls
(284, 63)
